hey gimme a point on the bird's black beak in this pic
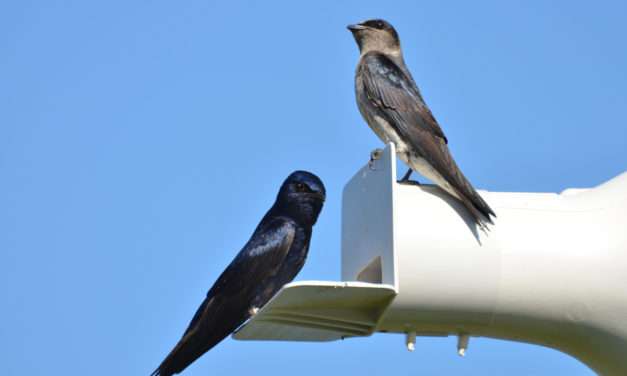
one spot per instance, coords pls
(355, 27)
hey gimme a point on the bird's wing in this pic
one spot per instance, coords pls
(225, 307)
(392, 91)
(398, 99)
(261, 257)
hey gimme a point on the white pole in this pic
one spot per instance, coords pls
(553, 270)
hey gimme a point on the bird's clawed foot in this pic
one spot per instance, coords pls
(253, 311)
(405, 179)
(374, 155)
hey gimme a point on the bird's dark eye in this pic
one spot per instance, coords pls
(375, 24)
(300, 187)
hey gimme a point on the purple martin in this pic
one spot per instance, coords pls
(272, 257)
(391, 104)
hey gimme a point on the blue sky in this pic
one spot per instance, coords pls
(140, 144)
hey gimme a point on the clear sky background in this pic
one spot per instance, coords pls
(141, 143)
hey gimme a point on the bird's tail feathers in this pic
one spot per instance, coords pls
(182, 355)
(460, 188)
(466, 193)
(482, 220)
(458, 185)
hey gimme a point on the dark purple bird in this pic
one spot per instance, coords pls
(391, 104)
(272, 257)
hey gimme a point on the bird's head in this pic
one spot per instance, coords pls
(301, 196)
(376, 35)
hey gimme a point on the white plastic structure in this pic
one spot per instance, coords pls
(552, 270)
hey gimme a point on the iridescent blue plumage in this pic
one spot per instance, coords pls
(271, 258)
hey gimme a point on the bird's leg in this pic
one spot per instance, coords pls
(407, 175)
(253, 311)
(405, 178)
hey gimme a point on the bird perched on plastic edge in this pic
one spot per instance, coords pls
(272, 257)
(391, 104)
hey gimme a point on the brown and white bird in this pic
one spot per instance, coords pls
(391, 104)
